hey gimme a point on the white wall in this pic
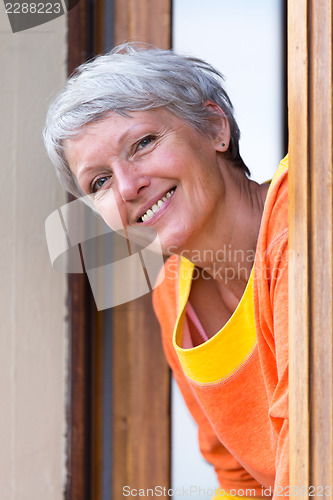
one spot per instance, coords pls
(243, 39)
(32, 295)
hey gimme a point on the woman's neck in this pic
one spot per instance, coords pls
(226, 250)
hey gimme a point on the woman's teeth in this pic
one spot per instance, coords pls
(155, 208)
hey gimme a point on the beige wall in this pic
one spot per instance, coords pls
(33, 332)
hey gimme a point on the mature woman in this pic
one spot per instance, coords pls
(153, 132)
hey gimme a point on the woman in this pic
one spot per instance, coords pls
(151, 134)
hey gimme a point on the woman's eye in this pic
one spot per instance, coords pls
(97, 185)
(145, 142)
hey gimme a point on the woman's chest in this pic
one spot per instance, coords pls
(212, 308)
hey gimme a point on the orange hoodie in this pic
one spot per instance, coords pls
(236, 383)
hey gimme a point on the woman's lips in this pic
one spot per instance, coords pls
(158, 207)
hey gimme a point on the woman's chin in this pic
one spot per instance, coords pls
(173, 246)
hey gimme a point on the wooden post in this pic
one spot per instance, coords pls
(311, 238)
(141, 418)
(78, 441)
(141, 392)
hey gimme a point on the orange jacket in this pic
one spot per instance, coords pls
(236, 383)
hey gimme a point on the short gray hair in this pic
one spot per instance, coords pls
(130, 78)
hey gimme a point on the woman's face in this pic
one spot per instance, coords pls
(158, 170)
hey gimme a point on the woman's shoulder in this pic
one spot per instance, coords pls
(271, 259)
(277, 216)
(274, 224)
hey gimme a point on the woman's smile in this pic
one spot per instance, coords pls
(158, 207)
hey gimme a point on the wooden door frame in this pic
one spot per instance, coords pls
(311, 244)
(310, 202)
(141, 378)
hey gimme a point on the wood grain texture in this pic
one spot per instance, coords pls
(298, 241)
(98, 31)
(79, 446)
(141, 419)
(147, 21)
(79, 35)
(96, 333)
(321, 242)
(310, 225)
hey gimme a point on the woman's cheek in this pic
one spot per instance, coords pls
(113, 219)
(106, 206)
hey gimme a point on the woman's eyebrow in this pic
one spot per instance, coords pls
(131, 129)
(84, 170)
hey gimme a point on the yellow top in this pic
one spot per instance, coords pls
(221, 355)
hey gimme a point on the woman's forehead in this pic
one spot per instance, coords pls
(127, 118)
(121, 126)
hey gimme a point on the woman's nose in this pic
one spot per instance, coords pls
(130, 183)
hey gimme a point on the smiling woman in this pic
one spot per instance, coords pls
(151, 136)
(153, 157)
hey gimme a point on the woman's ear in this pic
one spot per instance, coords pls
(219, 126)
